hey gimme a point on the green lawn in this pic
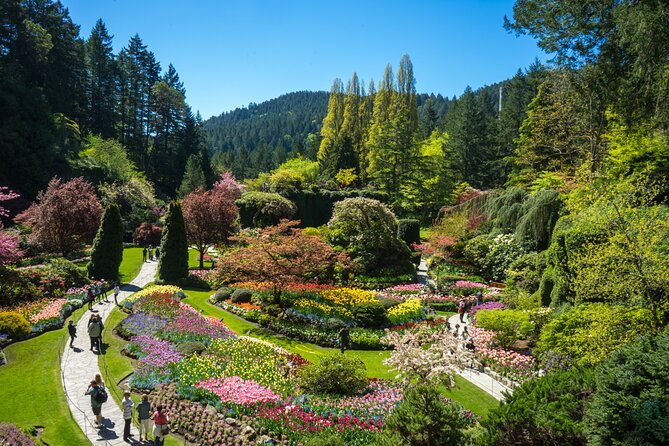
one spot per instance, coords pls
(32, 392)
(194, 260)
(131, 264)
(465, 392)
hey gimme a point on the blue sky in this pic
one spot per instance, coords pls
(232, 53)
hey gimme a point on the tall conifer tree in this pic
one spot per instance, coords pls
(102, 82)
(173, 263)
(107, 252)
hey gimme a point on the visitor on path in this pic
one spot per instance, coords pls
(127, 404)
(160, 427)
(150, 252)
(95, 332)
(97, 395)
(461, 310)
(479, 297)
(72, 329)
(157, 253)
(116, 291)
(344, 339)
(144, 255)
(89, 299)
(144, 415)
(104, 289)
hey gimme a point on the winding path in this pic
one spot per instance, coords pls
(79, 365)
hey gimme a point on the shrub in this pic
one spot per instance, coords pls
(107, 251)
(426, 417)
(587, 334)
(631, 403)
(408, 230)
(334, 324)
(548, 410)
(388, 302)
(369, 314)
(509, 325)
(71, 273)
(188, 348)
(241, 295)
(222, 294)
(325, 439)
(14, 325)
(264, 209)
(173, 263)
(336, 373)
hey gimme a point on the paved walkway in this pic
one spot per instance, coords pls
(79, 365)
(481, 380)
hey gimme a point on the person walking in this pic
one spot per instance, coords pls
(461, 310)
(144, 255)
(157, 253)
(72, 329)
(344, 339)
(150, 252)
(98, 395)
(117, 290)
(144, 415)
(127, 404)
(89, 299)
(104, 289)
(160, 427)
(479, 297)
(94, 332)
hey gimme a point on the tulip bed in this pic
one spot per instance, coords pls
(45, 314)
(238, 388)
(511, 364)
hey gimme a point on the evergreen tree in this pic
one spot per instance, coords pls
(107, 251)
(173, 263)
(194, 178)
(353, 131)
(330, 154)
(101, 82)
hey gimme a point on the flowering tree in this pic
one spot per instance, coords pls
(229, 185)
(147, 234)
(9, 243)
(63, 217)
(281, 254)
(426, 355)
(210, 217)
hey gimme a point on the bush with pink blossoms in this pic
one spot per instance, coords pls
(486, 306)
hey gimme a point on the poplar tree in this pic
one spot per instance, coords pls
(330, 152)
(352, 128)
(107, 252)
(173, 263)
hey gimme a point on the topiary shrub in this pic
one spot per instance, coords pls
(241, 295)
(188, 348)
(14, 324)
(408, 230)
(222, 294)
(336, 373)
(173, 263)
(107, 251)
(369, 314)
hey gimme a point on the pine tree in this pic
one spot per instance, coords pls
(107, 252)
(173, 263)
(101, 87)
(193, 178)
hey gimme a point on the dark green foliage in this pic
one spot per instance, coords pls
(631, 404)
(505, 209)
(71, 273)
(222, 294)
(546, 287)
(544, 411)
(524, 274)
(369, 314)
(260, 209)
(539, 214)
(408, 230)
(188, 348)
(241, 295)
(107, 251)
(424, 418)
(173, 264)
(314, 207)
(336, 373)
(388, 302)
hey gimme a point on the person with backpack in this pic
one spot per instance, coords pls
(98, 397)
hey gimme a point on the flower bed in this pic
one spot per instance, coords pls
(513, 365)
(46, 314)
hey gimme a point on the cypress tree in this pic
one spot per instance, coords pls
(173, 264)
(107, 251)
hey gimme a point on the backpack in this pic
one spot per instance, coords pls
(101, 396)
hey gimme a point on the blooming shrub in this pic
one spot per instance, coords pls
(486, 306)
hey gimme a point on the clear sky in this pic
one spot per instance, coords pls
(231, 53)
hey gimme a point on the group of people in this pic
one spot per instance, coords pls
(94, 327)
(462, 306)
(149, 252)
(98, 393)
(97, 292)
